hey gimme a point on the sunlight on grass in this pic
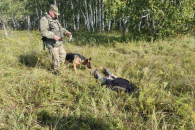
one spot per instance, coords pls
(31, 97)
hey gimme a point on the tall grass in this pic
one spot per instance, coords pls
(31, 97)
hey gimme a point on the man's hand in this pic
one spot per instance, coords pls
(68, 33)
(56, 38)
(113, 76)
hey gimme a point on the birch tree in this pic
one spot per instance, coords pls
(152, 18)
(11, 10)
(91, 16)
(87, 22)
(100, 16)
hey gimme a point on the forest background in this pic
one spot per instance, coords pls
(142, 18)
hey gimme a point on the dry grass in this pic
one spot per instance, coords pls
(31, 97)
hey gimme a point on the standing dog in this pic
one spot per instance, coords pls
(77, 59)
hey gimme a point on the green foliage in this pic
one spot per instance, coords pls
(144, 19)
(12, 9)
(112, 8)
(31, 97)
(154, 18)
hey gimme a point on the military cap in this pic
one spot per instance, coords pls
(54, 9)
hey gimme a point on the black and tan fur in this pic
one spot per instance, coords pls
(77, 59)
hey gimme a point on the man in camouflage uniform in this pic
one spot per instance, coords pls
(52, 33)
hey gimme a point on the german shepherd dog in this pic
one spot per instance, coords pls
(77, 59)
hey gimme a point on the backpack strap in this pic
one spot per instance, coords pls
(52, 27)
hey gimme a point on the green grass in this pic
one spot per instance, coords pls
(31, 97)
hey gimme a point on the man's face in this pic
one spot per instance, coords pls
(52, 14)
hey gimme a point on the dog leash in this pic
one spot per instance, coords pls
(70, 39)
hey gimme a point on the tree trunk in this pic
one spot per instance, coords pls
(78, 21)
(96, 13)
(109, 25)
(59, 11)
(74, 23)
(94, 17)
(126, 27)
(100, 19)
(120, 23)
(91, 17)
(87, 16)
(63, 22)
(37, 19)
(103, 17)
(54, 2)
(73, 17)
(14, 23)
(4, 28)
(28, 22)
(41, 13)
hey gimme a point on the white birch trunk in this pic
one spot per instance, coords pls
(64, 22)
(37, 15)
(74, 23)
(41, 13)
(59, 17)
(78, 21)
(94, 20)
(28, 22)
(4, 28)
(87, 16)
(96, 14)
(103, 17)
(100, 22)
(91, 17)
(126, 25)
(14, 24)
(78, 18)
(109, 25)
(13, 21)
(54, 2)
(73, 17)
(37, 19)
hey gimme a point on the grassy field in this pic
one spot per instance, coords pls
(31, 97)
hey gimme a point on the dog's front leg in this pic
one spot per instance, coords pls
(75, 69)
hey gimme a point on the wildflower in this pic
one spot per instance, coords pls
(43, 80)
(186, 106)
(147, 90)
(150, 84)
(131, 46)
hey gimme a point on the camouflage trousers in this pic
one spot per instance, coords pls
(58, 56)
(102, 79)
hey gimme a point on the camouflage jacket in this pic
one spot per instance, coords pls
(50, 27)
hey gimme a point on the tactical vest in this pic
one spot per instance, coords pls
(53, 29)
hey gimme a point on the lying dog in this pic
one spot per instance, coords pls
(77, 59)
